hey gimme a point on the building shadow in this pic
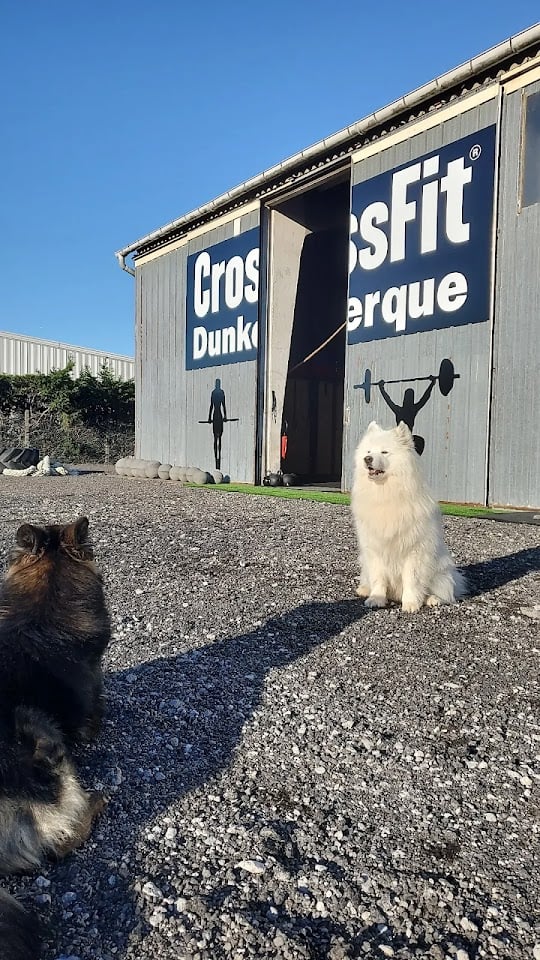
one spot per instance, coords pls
(175, 723)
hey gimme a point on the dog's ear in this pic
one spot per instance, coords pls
(372, 426)
(403, 434)
(49, 752)
(40, 738)
(76, 534)
(31, 539)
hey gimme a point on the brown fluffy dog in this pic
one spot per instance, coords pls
(54, 628)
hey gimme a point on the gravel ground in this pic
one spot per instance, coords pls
(291, 775)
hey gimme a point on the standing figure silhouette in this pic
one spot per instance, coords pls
(217, 419)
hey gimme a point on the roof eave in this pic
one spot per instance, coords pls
(453, 78)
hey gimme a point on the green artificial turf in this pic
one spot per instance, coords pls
(328, 496)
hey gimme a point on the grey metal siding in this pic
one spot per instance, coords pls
(454, 427)
(172, 400)
(514, 448)
(20, 354)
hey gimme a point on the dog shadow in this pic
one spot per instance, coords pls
(490, 574)
(175, 724)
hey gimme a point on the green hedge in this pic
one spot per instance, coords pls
(85, 419)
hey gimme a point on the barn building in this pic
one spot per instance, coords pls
(20, 355)
(389, 272)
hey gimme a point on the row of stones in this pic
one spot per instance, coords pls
(153, 469)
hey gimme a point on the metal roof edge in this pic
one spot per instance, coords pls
(59, 344)
(465, 71)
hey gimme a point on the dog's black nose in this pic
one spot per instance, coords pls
(368, 461)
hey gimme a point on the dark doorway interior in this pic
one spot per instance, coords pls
(312, 425)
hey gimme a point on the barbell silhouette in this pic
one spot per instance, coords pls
(445, 379)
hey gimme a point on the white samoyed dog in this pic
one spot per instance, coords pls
(403, 556)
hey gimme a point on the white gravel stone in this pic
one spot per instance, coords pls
(252, 866)
(42, 882)
(151, 891)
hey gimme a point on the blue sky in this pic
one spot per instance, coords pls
(117, 118)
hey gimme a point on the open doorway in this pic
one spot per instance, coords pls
(309, 236)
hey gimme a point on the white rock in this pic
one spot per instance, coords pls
(151, 891)
(252, 866)
(157, 917)
(533, 613)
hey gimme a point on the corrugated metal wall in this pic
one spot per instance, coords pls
(172, 400)
(515, 449)
(20, 355)
(454, 427)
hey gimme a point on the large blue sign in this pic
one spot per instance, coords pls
(421, 241)
(222, 302)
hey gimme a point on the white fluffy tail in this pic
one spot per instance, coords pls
(448, 585)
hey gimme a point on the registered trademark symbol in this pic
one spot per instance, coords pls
(475, 151)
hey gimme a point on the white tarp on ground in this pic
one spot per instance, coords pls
(45, 468)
